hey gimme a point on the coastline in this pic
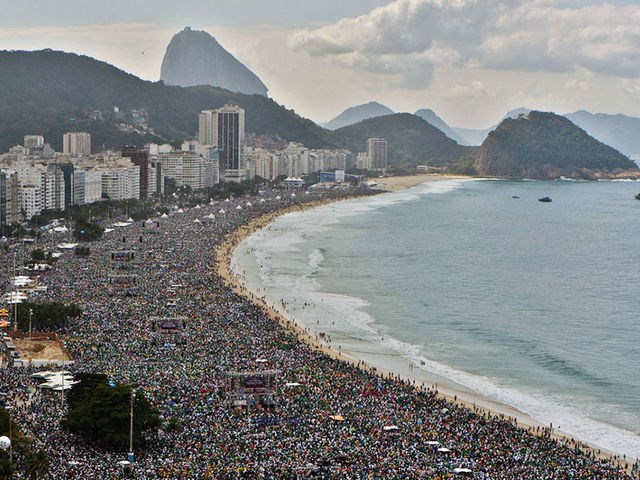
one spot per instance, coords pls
(481, 405)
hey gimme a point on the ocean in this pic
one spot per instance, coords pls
(475, 285)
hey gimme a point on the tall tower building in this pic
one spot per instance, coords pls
(78, 143)
(377, 152)
(224, 128)
(140, 158)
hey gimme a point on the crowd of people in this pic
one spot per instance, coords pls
(331, 419)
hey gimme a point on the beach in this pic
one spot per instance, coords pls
(329, 415)
(446, 389)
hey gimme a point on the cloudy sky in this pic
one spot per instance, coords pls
(469, 60)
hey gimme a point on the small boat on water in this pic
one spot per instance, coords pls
(638, 196)
(545, 199)
(515, 196)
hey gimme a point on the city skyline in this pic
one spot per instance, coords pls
(469, 61)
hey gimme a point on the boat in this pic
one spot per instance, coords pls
(545, 199)
(638, 196)
(515, 196)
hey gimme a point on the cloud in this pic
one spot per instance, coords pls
(409, 39)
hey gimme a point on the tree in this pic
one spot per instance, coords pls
(46, 316)
(86, 231)
(6, 469)
(100, 413)
(36, 464)
(83, 251)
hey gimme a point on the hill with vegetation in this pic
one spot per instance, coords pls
(49, 93)
(411, 140)
(545, 146)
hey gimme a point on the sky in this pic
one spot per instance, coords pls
(470, 61)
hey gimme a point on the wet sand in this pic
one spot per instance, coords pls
(469, 399)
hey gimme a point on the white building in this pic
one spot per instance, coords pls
(33, 141)
(121, 182)
(191, 169)
(92, 186)
(31, 200)
(76, 143)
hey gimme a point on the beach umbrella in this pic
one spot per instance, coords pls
(262, 200)
(197, 207)
(197, 221)
(278, 197)
(222, 211)
(293, 195)
(248, 204)
(238, 207)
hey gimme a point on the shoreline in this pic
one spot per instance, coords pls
(471, 400)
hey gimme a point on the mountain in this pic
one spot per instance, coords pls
(48, 92)
(194, 57)
(356, 114)
(431, 117)
(411, 140)
(545, 146)
(473, 136)
(619, 131)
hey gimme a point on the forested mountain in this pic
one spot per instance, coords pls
(411, 140)
(49, 92)
(546, 145)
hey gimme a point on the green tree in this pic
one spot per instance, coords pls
(46, 316)
(36, 464)
(83, 251)
(6, 469)
(101, 414)
(86, 231)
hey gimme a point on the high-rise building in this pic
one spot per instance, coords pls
(224, 128)
(377, 152)
(121, 182)
(140, 158)
(76, 143)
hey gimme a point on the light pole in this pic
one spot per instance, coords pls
(133, 398)
(30, 352)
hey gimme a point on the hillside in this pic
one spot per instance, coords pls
(357, 114)
(49, 92)
(545, 146)
(620, 131)
(411, 140)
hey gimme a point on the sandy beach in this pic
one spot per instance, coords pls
(471, 400)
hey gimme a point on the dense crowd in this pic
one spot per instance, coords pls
(330, 416)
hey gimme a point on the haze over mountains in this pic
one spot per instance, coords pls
(621, 132)
(50, 93)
